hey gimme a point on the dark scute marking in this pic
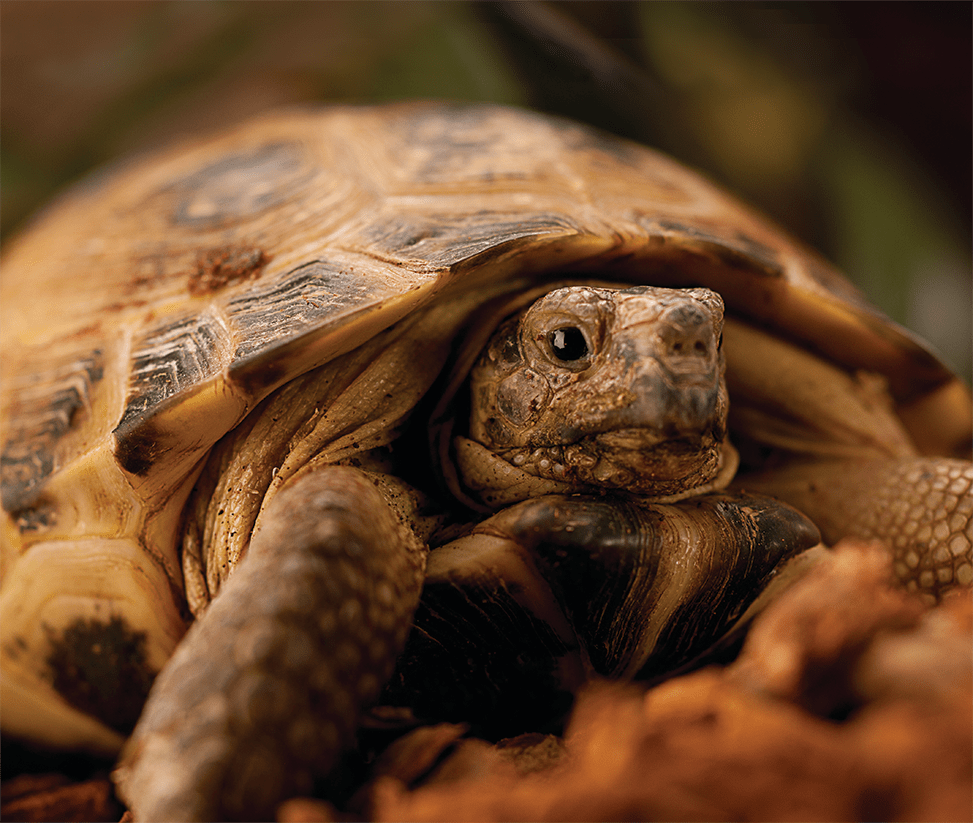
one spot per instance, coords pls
(23, 469)
(303, 298)
(445, 240)
(736, 252)
(94, 367)
(219, 267)
(38, 516)
(459, 137)
(100, 668)
(767, 257)
(239, 186)
(168, 360)
(16, 648)
(463, 137)
(138, 448)
(43, 411)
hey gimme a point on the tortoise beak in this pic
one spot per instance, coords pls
(662, 376)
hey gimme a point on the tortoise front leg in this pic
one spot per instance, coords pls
(265, 691)
(921, 508)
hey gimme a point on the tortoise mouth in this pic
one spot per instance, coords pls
(640, 439)
(644, 461)
(648, 461)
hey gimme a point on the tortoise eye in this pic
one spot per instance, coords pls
(569, 344)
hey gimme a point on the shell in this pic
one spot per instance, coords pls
(180, 290)
(210, 275)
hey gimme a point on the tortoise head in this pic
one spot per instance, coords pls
(604, 388)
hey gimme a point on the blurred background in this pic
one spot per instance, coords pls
(849, 123)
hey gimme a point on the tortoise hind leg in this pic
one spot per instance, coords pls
(265, 691)
(921, 508)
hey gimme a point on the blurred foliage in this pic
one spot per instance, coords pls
(849, 123)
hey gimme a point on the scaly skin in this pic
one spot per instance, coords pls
(265, 691)
(921, 508)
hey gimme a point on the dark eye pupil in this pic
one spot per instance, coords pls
(568, 344)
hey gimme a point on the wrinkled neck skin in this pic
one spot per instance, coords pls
(593, 389)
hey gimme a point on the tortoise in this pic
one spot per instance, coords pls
(264, 371)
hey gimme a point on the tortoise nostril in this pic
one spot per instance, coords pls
(687, 332)
(688, 343)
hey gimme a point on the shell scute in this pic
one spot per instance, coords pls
(315, 312)
(313, 294)
(485, 152)
(461, 148)
(445, 240)
(733, 249)
(42, 406)
(168, 360)
(239, 186)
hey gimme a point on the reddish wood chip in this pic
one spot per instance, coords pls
(306, 810)
(53, 797)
